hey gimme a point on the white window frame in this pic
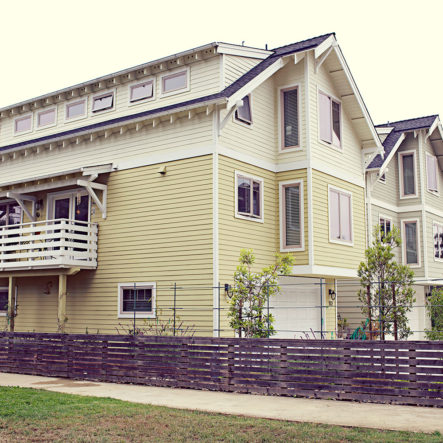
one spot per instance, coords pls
(281, 138)
(440, 224)
(244, 123)
(3, 312)
(386, 218)
(100, 95)
(77, 117)
(71, 194)
(138, 314)
(323, 142)
(400, 170)
(431, 191)
(22, 117)
(403, 242)
(138, 83)
(282, 186)
(43, 111)
(343, 191)
(262, 187)
(176, 91)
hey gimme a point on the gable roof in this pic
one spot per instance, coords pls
(397, 131)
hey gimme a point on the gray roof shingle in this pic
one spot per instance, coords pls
(399, 128)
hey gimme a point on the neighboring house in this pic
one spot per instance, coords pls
(161, 173)
(403, 190)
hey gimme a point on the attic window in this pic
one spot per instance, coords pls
(23, 124)
(141, 91)
(243, 113)
(103, 102)
(175, 82)
(46, 118)
(75, 109)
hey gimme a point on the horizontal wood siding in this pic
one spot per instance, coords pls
(235, 66)
(158, 229)
(325, 252)
(204, 80)
(146, 145)
(348, 159)
(388, 191)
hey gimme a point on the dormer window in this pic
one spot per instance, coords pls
(103, 102)
(141, 91)
(23, 124)
(243, 113)
(176, 82)
(75, 110)
(46, 118)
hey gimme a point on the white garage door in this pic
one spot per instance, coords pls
(297, 309)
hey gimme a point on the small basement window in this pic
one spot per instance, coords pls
(175, 82)
(103, 102)
(141, 91)
(136, 298)
(243, 113)
(23, 124)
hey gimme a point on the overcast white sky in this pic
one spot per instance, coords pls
(393, 47)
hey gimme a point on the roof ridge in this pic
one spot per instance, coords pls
(303, 41)
(388, 124)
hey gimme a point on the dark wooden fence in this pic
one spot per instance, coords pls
(377, 371)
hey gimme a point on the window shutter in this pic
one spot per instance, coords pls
(292, 216)
(325, 118)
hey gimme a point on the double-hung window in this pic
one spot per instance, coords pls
(340, 216)
(3, 300)
(249, 197)
(432, 173)
(330, 120)
(136, 299)
(291, 215)
(438, 241)
(243, 113)
(385, 226)
(289, 134)
(408, 182)
(410, 242)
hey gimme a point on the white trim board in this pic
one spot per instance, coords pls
(329, 271)
(402, 209)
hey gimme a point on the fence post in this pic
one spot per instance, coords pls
(368, 291)
(381, 333)
(135, 306)
(218, 307)
(321, 309)
(175, 303)
(267, 306)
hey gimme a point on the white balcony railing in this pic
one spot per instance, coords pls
(48, 244)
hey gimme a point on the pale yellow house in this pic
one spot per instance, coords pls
(403, 190)
(158, 175)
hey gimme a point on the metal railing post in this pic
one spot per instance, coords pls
(175, 303)
(218, 306)
(267, 303)
(135, 306)
(321, 308)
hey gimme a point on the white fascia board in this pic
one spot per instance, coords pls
(433, 127)
(217, 101)
(256, 81)
(324, 271)
(384, 129)
(243, 51)
(391, 154)
(359, 99)
(324, 46)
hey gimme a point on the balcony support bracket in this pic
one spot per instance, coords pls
(20, 198)
(90, 188)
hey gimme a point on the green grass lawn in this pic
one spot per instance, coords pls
(36, 415)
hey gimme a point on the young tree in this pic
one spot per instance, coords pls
(251, 292)
(387, 295)
(434, 307)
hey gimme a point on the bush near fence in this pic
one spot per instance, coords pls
(408, 372)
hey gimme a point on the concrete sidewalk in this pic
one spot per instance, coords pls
(400, 418)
